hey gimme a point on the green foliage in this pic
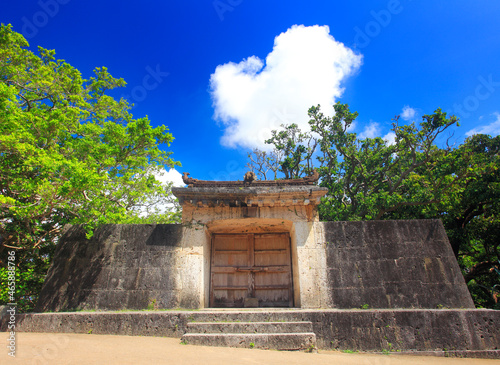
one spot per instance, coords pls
(295, 149)
(349, 351)
(152, 305)
(27, 284)
(370, 178)
(473, 222)
(311, 348)
(407, 178)
(69, 153)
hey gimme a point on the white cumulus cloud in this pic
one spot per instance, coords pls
(152, 205)
(172, 176)
(306, 67)
(408, 113)
(493, 129)
(371, 130)
(390, 138)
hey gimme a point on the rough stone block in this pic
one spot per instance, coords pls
(332, 254)
(156, 278)
(369, 273)
(98, 273)
(380, 232)
(354, 234)
(334, 278)
(157, 258)
(166, 298)
(140, 299)
(282, 341)
(352, 255)
(168, 235)
(350, 276)
(347, 297)
(409, 269)
(390, 270)
(394, 259)
(113, 299)
(127, 258)
(124, 278)
(135, 236)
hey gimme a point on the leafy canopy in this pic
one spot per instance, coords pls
(69, 153)
(409, 177)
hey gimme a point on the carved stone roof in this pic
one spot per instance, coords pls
(250, 196)
(250, 181)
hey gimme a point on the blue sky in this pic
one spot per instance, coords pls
(222, 73)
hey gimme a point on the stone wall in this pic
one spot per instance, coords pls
(474, 333)
(403, 330)
(385, 264)
(392, 264)
(124, 267)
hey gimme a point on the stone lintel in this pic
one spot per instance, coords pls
(280, 196)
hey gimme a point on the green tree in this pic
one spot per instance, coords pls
(69, 153)
(408, 178)
(295, 149)
(371, 178)
(472, 218)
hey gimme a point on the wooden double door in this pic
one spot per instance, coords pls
(250, 270)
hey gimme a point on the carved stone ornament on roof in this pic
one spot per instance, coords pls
(250, 180)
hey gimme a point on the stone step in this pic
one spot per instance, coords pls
(249, 316)
(249, 327)
(277, 341)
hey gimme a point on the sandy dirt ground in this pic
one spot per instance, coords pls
(50, 348)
